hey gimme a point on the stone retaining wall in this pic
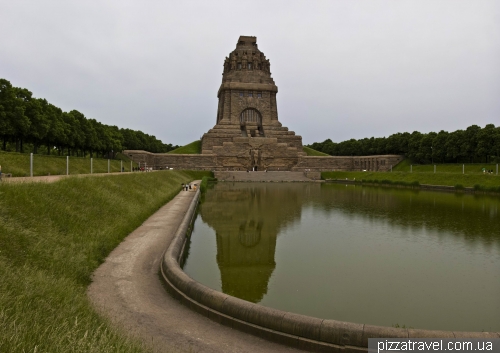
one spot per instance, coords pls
(228, 157)
(305, 332)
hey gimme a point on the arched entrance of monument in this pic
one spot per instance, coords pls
(251, 115)
(251, 123)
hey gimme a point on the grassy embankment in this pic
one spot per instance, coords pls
(18, 164)
(195, 148)
(52, 237)
(311, 152)
(191, 148)
(446, 174)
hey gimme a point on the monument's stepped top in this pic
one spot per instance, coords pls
(247, 64)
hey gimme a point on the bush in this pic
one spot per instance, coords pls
(459, 187)
(204, 183)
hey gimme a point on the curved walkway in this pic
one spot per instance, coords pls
(127, 289)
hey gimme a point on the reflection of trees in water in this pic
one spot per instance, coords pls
(474, 217)
(248, 217)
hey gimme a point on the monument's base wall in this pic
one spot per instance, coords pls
(271, 156)
(176, 161)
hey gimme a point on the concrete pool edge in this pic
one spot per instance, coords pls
(288, 328)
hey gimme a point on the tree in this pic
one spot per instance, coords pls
(452, 145)
(469, 144)
(439, 146)
(39, 122)
(486, 142)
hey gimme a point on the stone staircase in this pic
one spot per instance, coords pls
(266, 176)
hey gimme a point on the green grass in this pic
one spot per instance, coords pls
(487, 182)
(192, 148)
(19, 164)
(475, 168)
(52, 237)
(311, 152)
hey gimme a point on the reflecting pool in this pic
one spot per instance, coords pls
(369, 255)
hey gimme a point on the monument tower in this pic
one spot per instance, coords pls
(248, 134)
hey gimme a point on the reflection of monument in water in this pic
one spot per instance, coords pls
(247, 219)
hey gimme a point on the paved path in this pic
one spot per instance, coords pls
(127, 289)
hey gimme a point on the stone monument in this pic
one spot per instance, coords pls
(247, 135)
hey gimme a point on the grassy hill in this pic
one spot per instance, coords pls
(192, 148)
(52, 237)
(311, 152)
(446, 174)
(18, 164)
(195, 148)
(470, 168)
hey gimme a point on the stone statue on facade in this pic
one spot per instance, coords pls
(233, 62)
(226, 65)
(267, 64)
(244, 60)
(255, 62)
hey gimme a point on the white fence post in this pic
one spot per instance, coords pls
(67, 165)
(434, 169)
(121, 166)
(31, 164)
(108, 165)
(91, 165)
(411, 168)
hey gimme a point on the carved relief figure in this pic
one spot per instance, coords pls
(244, 60)
(226, 65)
(233, 62)
(266, 66)
(255, 62)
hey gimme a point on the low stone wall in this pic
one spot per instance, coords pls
(346, 163)
(176, 161)
(228, 159)
(304, 332)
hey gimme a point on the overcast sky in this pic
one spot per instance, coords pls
(344, 69)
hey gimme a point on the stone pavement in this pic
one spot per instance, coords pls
(127, 289)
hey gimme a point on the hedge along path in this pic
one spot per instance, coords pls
(127, 289)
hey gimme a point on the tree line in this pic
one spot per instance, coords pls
(472, 145)
(25, 119)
